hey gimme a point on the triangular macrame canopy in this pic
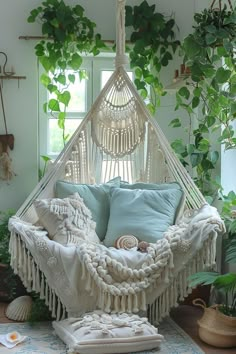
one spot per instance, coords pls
(117, 137)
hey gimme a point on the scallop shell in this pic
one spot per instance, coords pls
(19, 309)
(126, 242)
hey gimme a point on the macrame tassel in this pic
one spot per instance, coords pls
(19, 254)
(102, 300)
(143, 305)
(33, 275)
(63, 313)
(53, 304)
(58, 309)
(88, 282)
(47, 295)
(135, 303)
(129, 303)
(123, 303)
(25, 263)
(37, 285)
(50, 299)
(42, 287)
(108, 302)
(29, 267)
(116, 304)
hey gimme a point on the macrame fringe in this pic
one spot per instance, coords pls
(179, 288)
(32, 278)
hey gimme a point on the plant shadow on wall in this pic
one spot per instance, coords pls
(68, 34)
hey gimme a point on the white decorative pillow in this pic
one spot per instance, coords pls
(68, 220)
(100, 333)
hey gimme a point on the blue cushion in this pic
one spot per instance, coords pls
(143, 213)
(96, 198)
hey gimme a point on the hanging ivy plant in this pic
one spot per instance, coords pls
(69, 34)
(153, 44)
(209, 53)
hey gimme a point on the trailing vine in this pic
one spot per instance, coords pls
(209, 54)
(69, 34)
(153, 45)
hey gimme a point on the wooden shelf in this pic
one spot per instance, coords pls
(12, 77)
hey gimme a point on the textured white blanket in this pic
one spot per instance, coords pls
(90, 276)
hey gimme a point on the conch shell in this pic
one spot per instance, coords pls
(126, 242)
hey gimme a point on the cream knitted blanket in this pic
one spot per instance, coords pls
(89, 276)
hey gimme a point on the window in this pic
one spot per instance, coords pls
(83, 94)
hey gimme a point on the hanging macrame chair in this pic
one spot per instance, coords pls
(118, 137)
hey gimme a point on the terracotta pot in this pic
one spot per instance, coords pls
(215, 328)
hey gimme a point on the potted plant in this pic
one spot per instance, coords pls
(11, 285)
(218, 325)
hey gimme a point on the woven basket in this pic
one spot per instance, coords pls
(215, 328)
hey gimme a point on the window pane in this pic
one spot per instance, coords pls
(78, 94)
(55, 133)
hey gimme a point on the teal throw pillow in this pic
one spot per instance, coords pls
(143, 213)
(96, 198)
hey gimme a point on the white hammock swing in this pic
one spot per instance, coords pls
(117, 138)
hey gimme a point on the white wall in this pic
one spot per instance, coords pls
(22, 103)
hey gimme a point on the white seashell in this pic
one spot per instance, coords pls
(126, 242)
(19, 309)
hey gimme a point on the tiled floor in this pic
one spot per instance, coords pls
(185, 316)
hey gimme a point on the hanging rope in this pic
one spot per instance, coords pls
(121, 57)
(220, 4)
(3, 109)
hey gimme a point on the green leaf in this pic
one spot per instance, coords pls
(61, 120)
(205, 278)
(233, 108)
(210, 38)
(45, 158)
(61, 79)
(195, 159)
(184, 92)
(210, 121)
(138, 73)
(76, 61)
(53, 105)
(214, 156)
(45, 79)
(71, 78)
(65, 98)
(204, 145)
(195, 102)
(178, 146)
(227, 282)
(222, 75)
(175, 123)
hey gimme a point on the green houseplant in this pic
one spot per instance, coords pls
(11, 285)
(208, 95)
(152, 47)
(69, 34)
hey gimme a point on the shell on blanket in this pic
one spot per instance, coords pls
(126, 242)
(19, 309)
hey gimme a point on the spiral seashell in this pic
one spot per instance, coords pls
(19, 309)
(126, 242)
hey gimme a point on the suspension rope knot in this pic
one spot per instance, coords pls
(121, 57)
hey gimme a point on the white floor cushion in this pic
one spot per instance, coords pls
(100, 333)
